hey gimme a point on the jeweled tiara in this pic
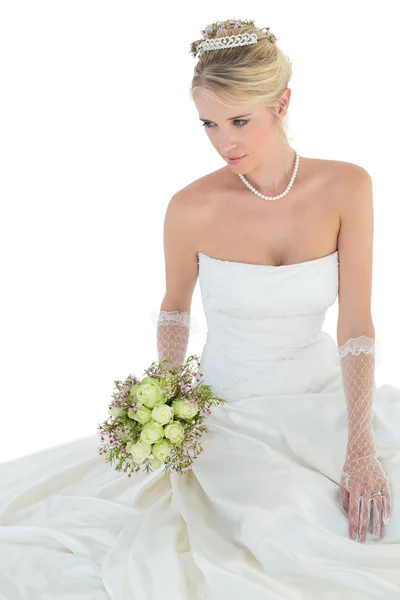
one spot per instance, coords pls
(211, 41)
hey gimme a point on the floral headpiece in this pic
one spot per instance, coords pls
(211, 41)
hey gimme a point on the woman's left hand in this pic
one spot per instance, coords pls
(365, 495)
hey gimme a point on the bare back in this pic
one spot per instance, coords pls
(237, 225)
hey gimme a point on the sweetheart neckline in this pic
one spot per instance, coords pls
(235, 262)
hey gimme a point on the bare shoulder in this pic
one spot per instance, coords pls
(347, 172)
(336, 171)
(190, 207)
(196, 192)
(343, 183)
(351, 185)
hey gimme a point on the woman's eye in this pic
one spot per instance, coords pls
(207, 123)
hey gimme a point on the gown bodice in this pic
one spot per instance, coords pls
(259, 315)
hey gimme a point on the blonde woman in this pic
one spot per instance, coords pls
(296, 494)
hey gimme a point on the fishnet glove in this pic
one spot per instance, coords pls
(364, 486)
(172, 337)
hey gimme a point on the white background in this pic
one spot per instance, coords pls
(98, 131)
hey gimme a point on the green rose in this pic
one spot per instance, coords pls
(141, 414)
(139, 451)
(183, 409)
(163, 414)
(116, 411)
(149, 393)
(175, 432)
(161, 450)
(152, 432)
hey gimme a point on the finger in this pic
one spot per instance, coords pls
(371, 518)
(354, 515)
(365, 510)
(344, 498)
(376, 516)
(387, 502)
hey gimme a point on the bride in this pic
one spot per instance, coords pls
(295, 493)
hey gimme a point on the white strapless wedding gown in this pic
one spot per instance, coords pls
(259, 516)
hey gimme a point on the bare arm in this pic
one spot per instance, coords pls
(355, 245)
(181, 229)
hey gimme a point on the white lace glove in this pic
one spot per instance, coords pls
(364, 486)
(172, 337)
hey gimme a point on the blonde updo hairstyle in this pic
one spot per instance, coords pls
(257, 72)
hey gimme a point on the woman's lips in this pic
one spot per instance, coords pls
(235, 160)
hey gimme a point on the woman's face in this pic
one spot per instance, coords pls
(249, 129)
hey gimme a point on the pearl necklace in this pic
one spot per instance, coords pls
(296, 168)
